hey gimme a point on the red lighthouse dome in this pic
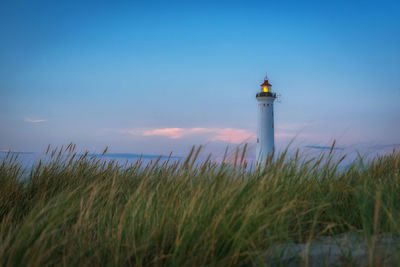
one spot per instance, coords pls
(266, 89)
(266, 86)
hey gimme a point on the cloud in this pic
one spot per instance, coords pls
(231, 135)
(173, 133)
(34, 120)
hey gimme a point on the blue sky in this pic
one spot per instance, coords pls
(154, 77)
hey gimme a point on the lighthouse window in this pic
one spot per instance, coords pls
(264, 105)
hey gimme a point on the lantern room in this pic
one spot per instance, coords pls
(266, 86)
(266, 89)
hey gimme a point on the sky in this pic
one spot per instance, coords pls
(159, 76)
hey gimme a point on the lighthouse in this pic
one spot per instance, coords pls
(265, 122)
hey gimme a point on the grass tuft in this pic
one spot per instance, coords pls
(74, 209)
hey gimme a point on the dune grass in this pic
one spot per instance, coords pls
(74, 209)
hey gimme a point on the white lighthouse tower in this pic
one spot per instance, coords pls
(265, 123)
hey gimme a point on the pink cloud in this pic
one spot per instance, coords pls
(212, 134)
(173, 133)
(232, 135)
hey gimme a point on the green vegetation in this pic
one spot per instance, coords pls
(75, 209)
